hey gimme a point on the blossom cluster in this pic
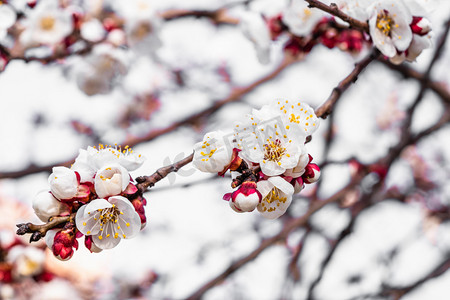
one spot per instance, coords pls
(267, 157)
(398, 29)
(55, 28)
(98, 193)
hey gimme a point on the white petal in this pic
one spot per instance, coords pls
(96, 204)
(247, 203)
(401, 35)
(418, 44)
(105, 242)
(271, 168)
(50, 237)
(380, 40)
(46, 206)
(7, 16)
(278, 212)
(282, 184)
(111, 180)
(63, 183)
(87, 224)
(264, 187)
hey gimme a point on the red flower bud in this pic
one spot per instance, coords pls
(63, 242)
(246, 197)
(139, 204)
(312, 173)
(420, 26)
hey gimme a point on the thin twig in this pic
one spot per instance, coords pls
(145, 182)
(326, 108)
(335, 11)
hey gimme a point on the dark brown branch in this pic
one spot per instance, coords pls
(335, 11)
(326, 108)
(39, 231)
(145, 182)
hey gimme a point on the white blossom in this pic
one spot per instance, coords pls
(389, 22)
(277, 196)
(47, 24)
(63, 183)
(418, 44)
(212, 154)
(274, 136)
(301, 19)
(45, 205)
(111, 180)
(108, 221)
(27, 261)
(299, 169)
(256, 30)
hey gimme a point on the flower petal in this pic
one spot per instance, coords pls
(282, 185)
(104, 242)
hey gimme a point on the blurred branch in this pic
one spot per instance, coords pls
(218, 16)
(326, 108)
(399, 292)
(236, 95)
(288, 228)
(424, 78)
(292, 267)
(439, 88)
(335, 11)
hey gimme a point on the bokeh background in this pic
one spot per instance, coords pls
(147, 94)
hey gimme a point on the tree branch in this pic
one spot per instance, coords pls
(335, 11)
(236, 95)
(326, 108)
(145, 182)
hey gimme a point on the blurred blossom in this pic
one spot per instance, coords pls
(97, 73)
(46, 24)
(26, 261)
(7, 19)
(300, 18)
(256, 30)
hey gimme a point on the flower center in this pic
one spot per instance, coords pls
(108, 218)
(274, 151)
(117, 150)
(385, 22)
(275, 195)
(207, 155)
(47, 23)
(142, 30)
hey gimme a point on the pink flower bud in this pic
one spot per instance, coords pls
(246, 197)
(420, 26)
(63, 242)
(312, 173)
(139, 204)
